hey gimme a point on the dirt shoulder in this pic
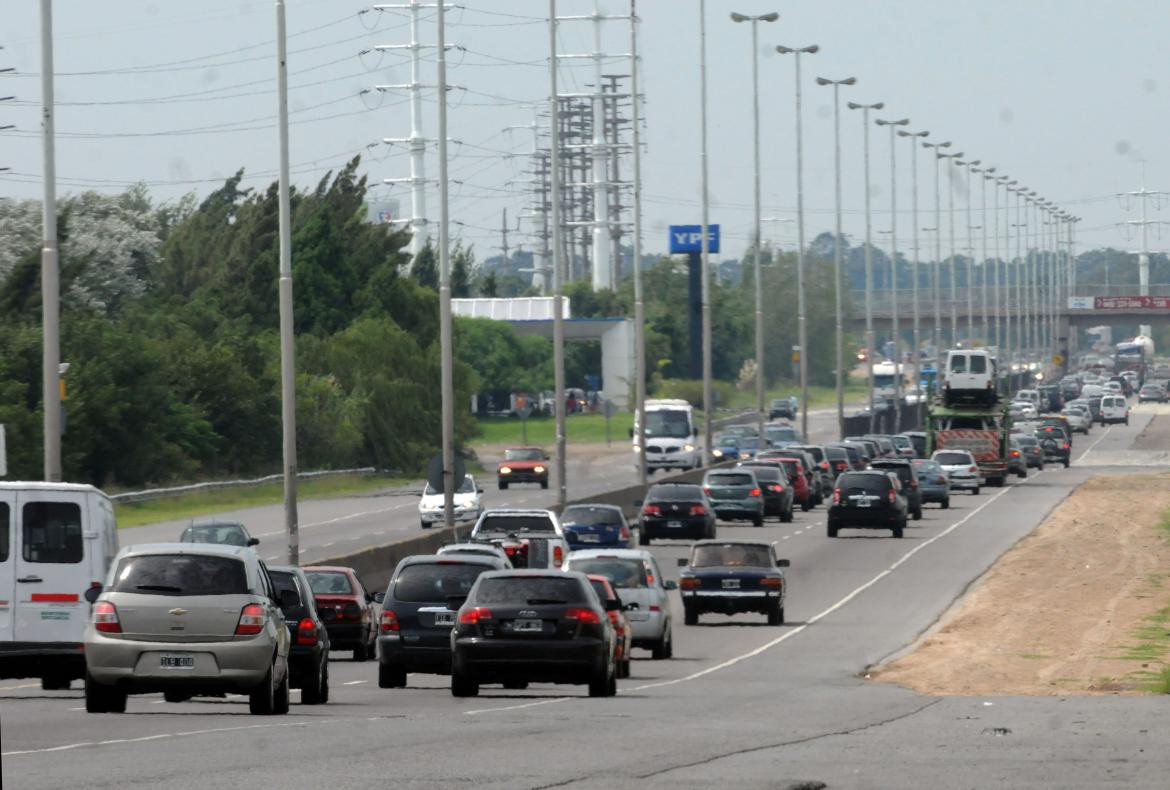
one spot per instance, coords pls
(1080, 606)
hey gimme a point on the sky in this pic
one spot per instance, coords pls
(1069, 97)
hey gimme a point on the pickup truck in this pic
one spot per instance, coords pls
(532, 538)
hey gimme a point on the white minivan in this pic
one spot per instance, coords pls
(56, 541)
(1114, 409)
(969, 377)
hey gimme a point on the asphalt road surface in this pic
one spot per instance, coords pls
(742, 703)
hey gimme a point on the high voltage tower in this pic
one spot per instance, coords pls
(1143, 197)
(3, 126)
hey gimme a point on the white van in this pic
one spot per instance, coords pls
(1032, 396)
(1114, 409)
(969, 377)
(56, 541)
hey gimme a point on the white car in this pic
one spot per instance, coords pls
(1032, 396)
(961, 469)
(1114, 409)
(467, 504)
(638, 581)
(1026, 408)
(1079, 418)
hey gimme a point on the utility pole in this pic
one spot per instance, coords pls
(970, 267)
(50, 268)
(936, 278)
(1143, 197)
(912, 137)
(898, 356)
(558, 256)
(869, 336)
(504, 236)
(639, 305)
(446, 350)
(704, 243)
(951, 223)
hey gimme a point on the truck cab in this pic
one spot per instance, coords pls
(671, 435)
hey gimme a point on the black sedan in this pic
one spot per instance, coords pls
(732, 576)
(415, 632)
(540, 626)
(868, 500)
(778, 493)
(308, 652)
(676, 511)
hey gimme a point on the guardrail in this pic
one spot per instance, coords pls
(222, 485)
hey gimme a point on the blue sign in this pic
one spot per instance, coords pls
(688, 238)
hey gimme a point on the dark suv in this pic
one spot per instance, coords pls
(868, 500)
(676, 510)
(908, 477)
(308, 652)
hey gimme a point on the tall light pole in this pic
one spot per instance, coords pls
(50, 267)
(639, 304)
(446, 351)
(985, 173)
(970, 268)
(912, 136)
(936, 278)
(704, 253)
(840, 328)
(801, 323)
(1031, 281)
(558, 255)
(951, 226)
(1005, 265)
(898, 356)
(761, 414)
(1020, 226)
(869, 337)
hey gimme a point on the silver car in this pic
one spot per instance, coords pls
(186, 619)
(961, 468)
(635, 575)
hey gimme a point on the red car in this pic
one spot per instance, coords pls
(523, 465)
(621, 626)
(802, 492)
(346, 609)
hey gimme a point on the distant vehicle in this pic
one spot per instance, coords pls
(961, 469)
(1032, 396)
(730, 577)
(1051, 397)
(904, 446)
(346, 608)
(643, 590)
(838, 458)
(1079, 418)
(474, 550)
(970, 378)
(749, 446)
(466, 503)
(523, 465)
(778, 493)
(615, 608)
(820, 463)
(1055, 444)
(888, 379)
(226, 533)
(676, 511)
(932, 482)
(524, 626)
(230, 637)
(1135, 354)
(589, 525)
(531, 537)
(308, 652)
(780, 435)
(1017, 462)
(801, 489)
(1151, 392)
(1114, 409)
(981, 431)
(726, 446)
(868, 500)
(1030, 448)
(1024, 408)
(783, 408)
(917, 441)
(735, 494)
(671, 435)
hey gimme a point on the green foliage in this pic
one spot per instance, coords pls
(501, 358)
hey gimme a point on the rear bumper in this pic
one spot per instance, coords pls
(965, 482)
(539, 660)
(731, 601)
(436, 516)
(433, 659)
(219, 666)
(934, 493)
(690, 528)
(864, 518)
(41, 659)
(748, 509)
(346, 636)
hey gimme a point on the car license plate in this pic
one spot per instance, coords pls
(861, 502)
(589, 538)
(528, 626)
(445, 618)
(731, 584)
(176, 662)
(674, 524)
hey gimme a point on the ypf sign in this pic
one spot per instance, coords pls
(688, 238)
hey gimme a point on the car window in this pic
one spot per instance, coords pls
(768, 474)
(675, 493)
(526, 454)
(870, 484)
(730, 554)
(5, 529)
(958, 363)
(435, 581)
(530, 590)
(901, 470)
(468, 487)
(622, 572)
(180, 574)
(978, 364)
(329, 583)
(730, 479)
(285, 582)
(508, 524)
(953, 459)
(51, 533)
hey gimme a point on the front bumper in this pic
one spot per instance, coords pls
(964, 482)
(136, 665)
(461, 514)
(730, 601)
(749, 508)
(523, 476)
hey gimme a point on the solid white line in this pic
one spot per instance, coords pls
(353, 682)
(158, 736)
(789, 634)
(21, 686)
(1094, 444)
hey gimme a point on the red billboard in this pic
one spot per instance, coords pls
(1131, 302)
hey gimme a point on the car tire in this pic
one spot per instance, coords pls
(103, 699)
(56, 682)
(644, 539)
(463, 683)
(599, 683)
(787, 516)
(832, 531)
(391, 676)
(1066, 463)
(544, 484)
(424, 524)
(690, 615)
(758, 521)
(262, 699)
(281, 699)
(1127, 420)
(503, 486)
(776, 615)
(515, 685)
(897, 531)
(611, 689)
(175, 695)
(975, 491)
(663, 648)
(946, 503)
(624, 671)
(805, 506)
(318, 693)
(361, 653)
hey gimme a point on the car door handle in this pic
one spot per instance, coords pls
(30, 579)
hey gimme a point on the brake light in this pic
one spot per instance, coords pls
(583, 616)
(776, 487)
(836, 496)
(1066, 445)
(973, 469)
(771, 581)
(688, 583)
(473, 616)
(893, 496)
(105, 618)
(625, 532)
(754, 492)
(707, 490)
(617, 623)
(824, 464)
(1015, 453)
(651, 510)
(655, 608)
(558, 556)
(252, 619)
(306, 632)
(389, 621)
(698, 510)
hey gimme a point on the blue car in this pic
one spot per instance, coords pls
(933, 484)
(726, 446)
(595, 526)
(733, 576)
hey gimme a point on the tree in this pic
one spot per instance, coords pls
(462, 263)
(425, 269)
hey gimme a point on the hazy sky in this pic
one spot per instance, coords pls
(1068, 96)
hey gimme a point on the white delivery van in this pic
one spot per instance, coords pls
(1114, 409)
(56, 541)
(969, 377)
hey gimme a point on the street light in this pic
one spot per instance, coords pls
(869, 339)
(986, 173)
(898, 357)
(970, 164)
(911, 136)
(761, 415)
(801, 328)
(937, 267)
(951, 225)
(1019, 225)
(840, 331)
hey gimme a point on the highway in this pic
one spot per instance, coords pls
(743, 702)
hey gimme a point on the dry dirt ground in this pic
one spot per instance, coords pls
(1080, 606)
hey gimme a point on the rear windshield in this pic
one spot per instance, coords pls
(675, 493)
(515, 524)
(434, 582)
(530, 590)
(978, 364)
(284, 583)
(729, 479)
(877, 484)
(953, 459)
(836, 454)
(715, 555)
(901, 470)
(927, 467)
(227, 534)
(181, 574)
(329, 583)
(767, 473)
(599, 588)
(959, 363)
(622, 572)
(468, 487)
(1026, 441)
(590, 516)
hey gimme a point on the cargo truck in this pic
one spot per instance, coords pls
(981, 430)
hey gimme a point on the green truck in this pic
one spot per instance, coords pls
(981, 430)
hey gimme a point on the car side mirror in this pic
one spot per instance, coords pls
(91, 594)
(253, 541)
(455, 602)
(783, 564)
(683, 562)
(379, 597)
(669, 584)
(613, 605)
(479, 490)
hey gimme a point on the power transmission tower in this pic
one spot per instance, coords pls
(1143, 196)
(3, 126)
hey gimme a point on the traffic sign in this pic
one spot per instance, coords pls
(435, 472)
(1058, 360)
(688, 238)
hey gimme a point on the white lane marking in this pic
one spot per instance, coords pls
(1094, 444)
(353, 682)
(81, 708)
(789, 634)
(21, 686)
(798, 532)
(786, 537)
(337, 519)
(158, 736)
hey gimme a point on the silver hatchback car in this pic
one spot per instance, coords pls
(638, 581)
(186, 619)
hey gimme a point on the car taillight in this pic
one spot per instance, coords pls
(252, 619)
(698, 510)
(1066, 445)
(973, 469)
(776, 487)
(651, 510)
(772, 582)
(558, 556)
(389, 621)
(105, 618)
(688, 583)
(941, 479)
(836, 496)
(625, 532)
(707, 490)
(893, 496)
(306, 632)
(583, 616)
(473, 616)
(1015, 453)
(754, 492)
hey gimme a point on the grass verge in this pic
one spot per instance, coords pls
(579, 428)
(135, 514)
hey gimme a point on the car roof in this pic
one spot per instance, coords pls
(594, 504)
(621, 554)
(533, 573)
(731, 542)
(884, 462)
(211, 521)
(41, 485)
(447, 559)
(221, 549)
(293, 569)
(484, 547)
(517, 511)
(674, 483)
(328, 569)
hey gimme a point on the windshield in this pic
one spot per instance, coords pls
(433, 582)
(508, 525)
(669, 424)
(622, 572)
(953, 459)
(727, 440)
(181, 574)
(524, 454)
(468, 487)
(329, 583)
(884, 380)
(731, 554)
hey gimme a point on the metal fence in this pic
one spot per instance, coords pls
(222, 485)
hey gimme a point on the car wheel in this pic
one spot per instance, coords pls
(280, 701)
(626, 668)
(424, 524)
(897, 532)
(318, 693)
(787, 516)
(516, 685)
(758, 521)
(918, 513)
(600, 681)
(503, 486)
(662, 648)
(946, 503)
(1127, 420)
(391, 676)
(1040, 468)
(832, 531)
(805, 506)
(463, 683)
(644, 539)
(175, 695)
(975, 491)
(361, 653)
(262, 699)
(103, 699)
(776, 614)
(1066, 463)
(56, 682)
(544, 484)
(690, 615)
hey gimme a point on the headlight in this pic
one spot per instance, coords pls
(690, 448)
(717, 453)
(505, 470)
(538, 469)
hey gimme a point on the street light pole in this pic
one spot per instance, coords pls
(554, 167)
(936, 284)
(898, 356)
(840, 328)
(869, 336)
(985, 174)
(912, 136)
(970, 268)
(639, 304)
(761, 414)
(446, 350)
(951, 224)
(50, 265)
(704, 254)
(801, 322)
